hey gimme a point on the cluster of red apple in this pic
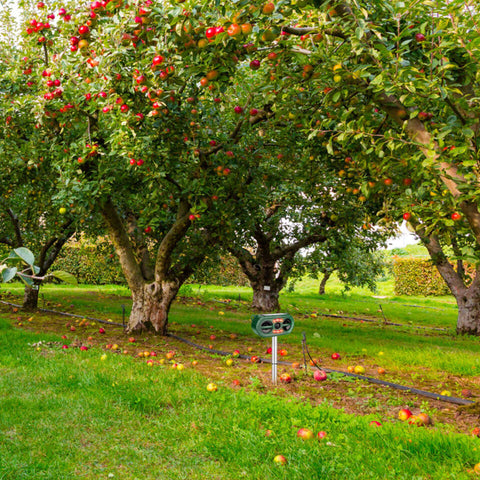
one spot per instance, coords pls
(422, 419)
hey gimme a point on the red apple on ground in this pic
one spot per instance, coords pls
(374, 423)
(285, 378)
(131, 340)
(255, 359)
(404, 414)
(424, 419)
(283, 352)
(280, 460)
(236, 383)
(320, 375)
(101, 330)
(321, 435)
(336, 356)
(305, 434)
(213, 337)
(83, 348)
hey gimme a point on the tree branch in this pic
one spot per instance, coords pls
(171, 240)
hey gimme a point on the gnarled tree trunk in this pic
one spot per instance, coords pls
(151, 305)
(468, 322)
(30, 298)
(265, 297)
(154, 285)
(467, 297)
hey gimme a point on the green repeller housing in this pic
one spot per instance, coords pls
(272, 324)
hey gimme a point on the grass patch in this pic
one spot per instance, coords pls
(68, 414)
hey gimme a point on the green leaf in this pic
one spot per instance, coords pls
(64, 277)
(26, 255)
(8, 274)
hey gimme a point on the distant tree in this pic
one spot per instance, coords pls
(356, 261)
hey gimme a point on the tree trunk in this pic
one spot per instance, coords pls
(265, 300)
(151, 305)
(468, 322)
(30, 298)
(321, 288)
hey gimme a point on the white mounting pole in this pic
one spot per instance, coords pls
(274, 360)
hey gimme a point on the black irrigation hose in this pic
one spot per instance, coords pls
(424, 393)
(434, 396)
(65, 314)
(416, 391)
(360, 319)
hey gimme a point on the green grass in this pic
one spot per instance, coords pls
(404, 348)
(68, 414)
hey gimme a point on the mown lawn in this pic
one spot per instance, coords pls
(69, 414)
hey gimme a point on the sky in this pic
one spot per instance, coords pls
(405, 238)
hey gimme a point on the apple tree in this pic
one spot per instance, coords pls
(399, 84)
(29, 181)
(145, 97)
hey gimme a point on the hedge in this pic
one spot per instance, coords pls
(91, 264)
(418, 276)
(98, 265)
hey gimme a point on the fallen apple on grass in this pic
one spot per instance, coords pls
(285, 378)
(228, 362)
(336, 356)
(101, 330)
(236, 383)
(359, 370)
(375, 423)
(280, 460)
(321, 435)
(404, 414)
(305, 434)
(320, 375)
(211, 387)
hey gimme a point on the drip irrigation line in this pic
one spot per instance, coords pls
(416, 391)
(46, 310)
(370, 320)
